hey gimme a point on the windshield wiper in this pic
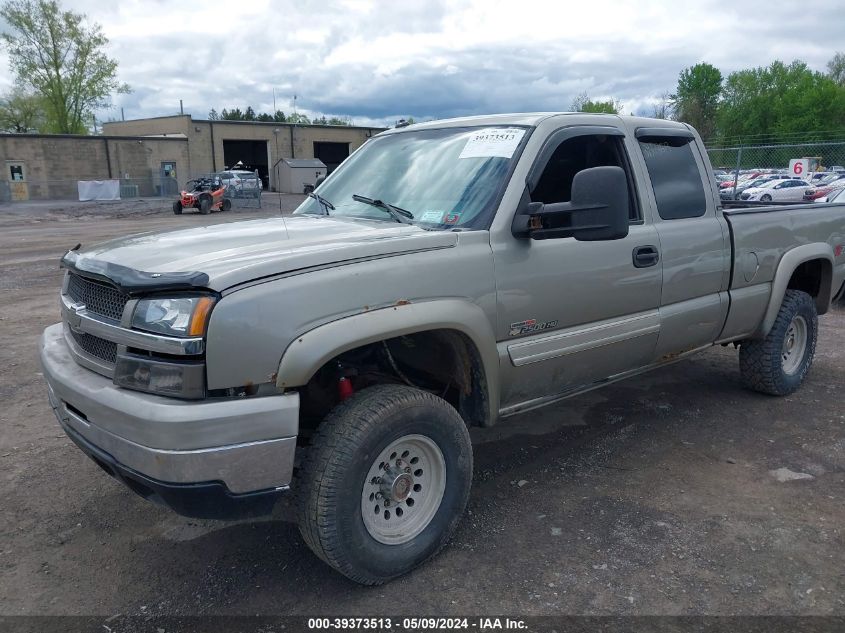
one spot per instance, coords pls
(398, 214)
(326, 204)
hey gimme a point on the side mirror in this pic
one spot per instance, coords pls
(599, 210)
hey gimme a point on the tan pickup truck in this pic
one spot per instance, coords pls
(448, 274)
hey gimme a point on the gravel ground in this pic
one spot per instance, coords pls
(651, 496)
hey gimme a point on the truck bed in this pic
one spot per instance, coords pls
(762, 237)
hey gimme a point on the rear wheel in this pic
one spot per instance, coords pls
(177, 207)
(778, 364)
(205, 205)
(385, 482)
(227, 204)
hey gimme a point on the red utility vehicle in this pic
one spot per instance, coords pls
(205, 193)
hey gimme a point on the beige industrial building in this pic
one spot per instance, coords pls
(154, 156)
(252, 145)
(48, 166)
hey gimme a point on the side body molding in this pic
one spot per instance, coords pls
(787, 265)
(310, 351)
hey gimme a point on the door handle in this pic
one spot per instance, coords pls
(645, 256)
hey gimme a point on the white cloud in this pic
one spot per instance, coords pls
(376, 60)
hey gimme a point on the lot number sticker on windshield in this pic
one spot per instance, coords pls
(494, 141)
(433, 217)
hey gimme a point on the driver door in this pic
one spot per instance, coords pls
(573, 312)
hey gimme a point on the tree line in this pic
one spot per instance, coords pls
(769, 104)
(249, 114)
(777, 103)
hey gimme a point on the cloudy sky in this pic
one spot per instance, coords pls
(377, 62)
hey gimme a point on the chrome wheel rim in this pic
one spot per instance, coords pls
(403, 489)
(794, 344)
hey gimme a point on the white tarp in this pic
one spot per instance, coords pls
(98, 189)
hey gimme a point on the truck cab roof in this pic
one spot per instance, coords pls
(534, 119)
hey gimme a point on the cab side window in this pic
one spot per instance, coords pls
(576, 154)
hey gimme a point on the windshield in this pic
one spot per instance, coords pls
(444, 178)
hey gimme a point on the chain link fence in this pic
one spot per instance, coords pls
(245, 192)
(742, 167)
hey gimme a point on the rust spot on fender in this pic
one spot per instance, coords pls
(402, 302)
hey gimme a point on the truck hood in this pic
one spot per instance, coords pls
(224, 255)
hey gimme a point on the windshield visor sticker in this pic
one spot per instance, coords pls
(530, 325)
(433, 217)
(452, 218)
(493, 142)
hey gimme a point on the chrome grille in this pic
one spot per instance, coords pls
(98, 297)
(95, 346)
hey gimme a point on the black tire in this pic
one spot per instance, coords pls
(205, 205)
(177, 208)
(330, 483)
(765, 198)
(227, 205)
(761, 362)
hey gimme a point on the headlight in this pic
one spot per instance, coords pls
(176, 316)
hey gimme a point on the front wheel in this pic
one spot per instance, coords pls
(177, 207)
(385, 482)
(205, 205)
(765, 198)
(778, 364)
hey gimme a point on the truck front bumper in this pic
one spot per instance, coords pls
(213, 459)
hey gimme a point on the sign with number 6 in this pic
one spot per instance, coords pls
(799, 167)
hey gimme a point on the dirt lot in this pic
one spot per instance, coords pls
(652, 496)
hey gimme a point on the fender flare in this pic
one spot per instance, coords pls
(791, 260)
(313, 349)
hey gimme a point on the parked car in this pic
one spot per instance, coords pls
(837, 195)
(728, 194)
(241, 184)
(819, 191)
(787, 190)
(345, 351)
(744, 177)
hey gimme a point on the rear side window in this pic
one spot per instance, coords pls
(674, 176)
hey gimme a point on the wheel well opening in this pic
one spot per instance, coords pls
(443, 362)
(814, 278)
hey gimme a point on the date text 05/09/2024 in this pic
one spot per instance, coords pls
(418, 624)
